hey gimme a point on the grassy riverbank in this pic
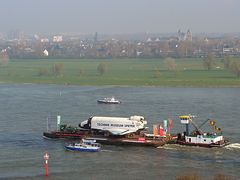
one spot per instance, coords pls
(122, 72)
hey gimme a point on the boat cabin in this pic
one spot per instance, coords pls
(203, 139)
(185, 119)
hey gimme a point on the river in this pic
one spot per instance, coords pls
(25, 108)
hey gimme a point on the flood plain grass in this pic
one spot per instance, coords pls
(119, 72)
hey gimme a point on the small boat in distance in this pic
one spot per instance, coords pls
(108, 100)
(200, 138)
(84, 146)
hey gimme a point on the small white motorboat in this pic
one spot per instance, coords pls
(108, 100)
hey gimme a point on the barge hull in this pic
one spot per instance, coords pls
(56, 135)
(128, 142)
(108, 140)
(203, 145)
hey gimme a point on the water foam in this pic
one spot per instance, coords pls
(233, 146)
(106, 150)
(168, 147)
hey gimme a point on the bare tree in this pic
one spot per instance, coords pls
(57, 69)
(102, 68)
(209, 61)
(4, 58)
(182, 49)
(170, 64)
(227, 62)
(157, 73)
(164, 48)
(235, 67)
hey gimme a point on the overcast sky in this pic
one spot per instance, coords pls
(119, 16)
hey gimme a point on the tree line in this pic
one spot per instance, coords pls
(229, 63)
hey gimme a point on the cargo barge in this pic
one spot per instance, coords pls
(112, 140)
(111, 131)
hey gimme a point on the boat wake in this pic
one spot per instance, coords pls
(105, 150)
(233, 146)
(168, 147)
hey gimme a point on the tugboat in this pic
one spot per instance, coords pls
(198, 137)
(84, 146)
(108, 100)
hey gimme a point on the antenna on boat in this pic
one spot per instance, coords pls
(47, 124)
(203, 123)
(58, 122)
(196, 127)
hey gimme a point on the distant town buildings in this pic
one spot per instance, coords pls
(189, 36)
(184, 36)
(44, 40)
(181, 44)
(57, 38)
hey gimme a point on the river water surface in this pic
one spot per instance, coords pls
(25, 108)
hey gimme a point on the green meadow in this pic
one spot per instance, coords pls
(119, 72)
